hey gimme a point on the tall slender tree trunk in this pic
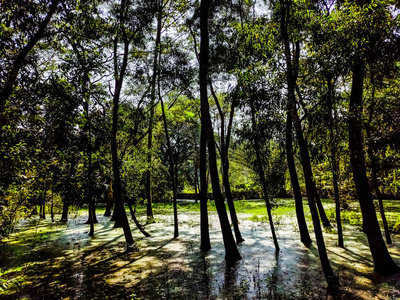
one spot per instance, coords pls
(291, 75)
(224, 150)
(337, 205)
(205, 244)
(262, 176)
(119, 205)
(301, 220)
(229, 198)
(52, 203)
(374, 171)
(172, 170)
(383, 262)
(119, 73)
(92, 213)
(379, 194)
(231, 252)
(333, 160)
(152, 111)
(89, 198)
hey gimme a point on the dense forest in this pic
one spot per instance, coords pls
(122, 104)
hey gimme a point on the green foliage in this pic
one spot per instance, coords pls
(7, 283)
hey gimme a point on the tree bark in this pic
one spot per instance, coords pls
(304, 234)
(383, 262)
(231, 252)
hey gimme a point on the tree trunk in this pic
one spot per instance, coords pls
(262, 176)
(374, 171)
(321, 210)
(52, 204)
(337, 206)
(231, 252)
(89, 198)
(205, 244)
(110, 200)
(383, 262)
(231, 204)
(64, 215)
(291, 76)
(43, 202)
(196, 175)
(172, 170)
(380, 198)
(334, 162)
(119, 76)
(152, 108)
(304, 234)
(224, 148)
(138, 225)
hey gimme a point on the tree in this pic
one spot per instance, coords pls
(231, 252)
(125, 35)
(223, 151)
(291, 75)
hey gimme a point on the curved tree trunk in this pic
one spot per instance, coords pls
(138, 225)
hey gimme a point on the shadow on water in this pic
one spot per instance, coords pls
(168, 268)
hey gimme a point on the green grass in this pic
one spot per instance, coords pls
(281, 207)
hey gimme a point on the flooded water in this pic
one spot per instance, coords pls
(59, 261)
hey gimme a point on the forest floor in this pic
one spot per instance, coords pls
(45, 260)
